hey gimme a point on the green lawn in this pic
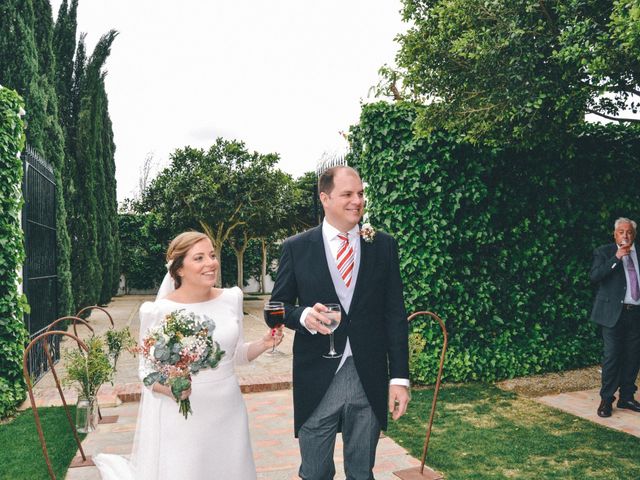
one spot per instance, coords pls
(481, 432)
(20, 452)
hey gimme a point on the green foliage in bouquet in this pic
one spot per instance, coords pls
(87, 371)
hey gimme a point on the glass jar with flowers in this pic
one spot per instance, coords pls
(87, 371)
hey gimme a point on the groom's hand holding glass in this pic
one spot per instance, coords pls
(317, 319)
(325, 319)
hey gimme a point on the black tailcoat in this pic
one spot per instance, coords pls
(376, 323)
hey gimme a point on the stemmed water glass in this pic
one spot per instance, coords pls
(274, 316)
(334, 314)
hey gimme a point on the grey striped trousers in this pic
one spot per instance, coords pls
(346, 403)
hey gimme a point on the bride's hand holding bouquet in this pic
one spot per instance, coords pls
(175, 350)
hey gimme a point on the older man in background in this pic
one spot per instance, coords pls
(617, 310)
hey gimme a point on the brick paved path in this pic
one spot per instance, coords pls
(266, 385)
(271, 423)
(584, 404)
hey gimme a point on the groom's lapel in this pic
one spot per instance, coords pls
(318, 261)
(366, 264)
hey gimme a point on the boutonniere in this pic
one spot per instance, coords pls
(367, 232)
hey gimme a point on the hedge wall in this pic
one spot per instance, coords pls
(497, 242)
(13, 334)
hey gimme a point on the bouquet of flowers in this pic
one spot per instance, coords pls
(179, 347)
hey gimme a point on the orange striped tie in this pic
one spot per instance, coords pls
(345, 259)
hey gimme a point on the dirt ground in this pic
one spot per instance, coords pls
(553, 383)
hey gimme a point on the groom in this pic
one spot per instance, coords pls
(351, 394)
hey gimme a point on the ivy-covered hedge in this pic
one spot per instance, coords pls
(13, 334)
(497, 242)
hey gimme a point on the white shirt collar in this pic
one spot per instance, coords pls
(330, 232)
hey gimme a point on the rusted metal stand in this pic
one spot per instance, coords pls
(95, 307)
(25, 371)
(75, 320)
(419, 473)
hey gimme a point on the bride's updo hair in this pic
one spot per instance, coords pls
(177, 250)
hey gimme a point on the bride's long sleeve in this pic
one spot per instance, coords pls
(242, 347)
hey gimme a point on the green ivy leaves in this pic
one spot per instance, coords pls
(497, 242)
(13, 334)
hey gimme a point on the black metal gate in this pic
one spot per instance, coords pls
(39, 271)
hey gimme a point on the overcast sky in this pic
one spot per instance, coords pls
(283, 76)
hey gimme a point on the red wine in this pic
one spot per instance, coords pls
(274, 318)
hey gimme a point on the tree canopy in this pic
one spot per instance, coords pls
(216, 191)
(524, 71)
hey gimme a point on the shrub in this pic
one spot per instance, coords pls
(497, 242)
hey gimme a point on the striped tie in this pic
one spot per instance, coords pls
(345, 259)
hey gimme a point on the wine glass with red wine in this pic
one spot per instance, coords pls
(274, 316)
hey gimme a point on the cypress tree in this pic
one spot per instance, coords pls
(111, 276)
(53, 148)
(68, 122)
(102, 150)
(112, 206)
(64, 47)
(90, 178)
(27, 65)
(19, 67)
(77, 223)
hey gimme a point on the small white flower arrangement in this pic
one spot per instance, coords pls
(367, 232)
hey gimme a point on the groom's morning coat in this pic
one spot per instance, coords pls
(376, 323)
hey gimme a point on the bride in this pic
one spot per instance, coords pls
(214, 441)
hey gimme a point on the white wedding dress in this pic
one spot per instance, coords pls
(213, 443)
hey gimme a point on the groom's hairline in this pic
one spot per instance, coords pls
(325, 180)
